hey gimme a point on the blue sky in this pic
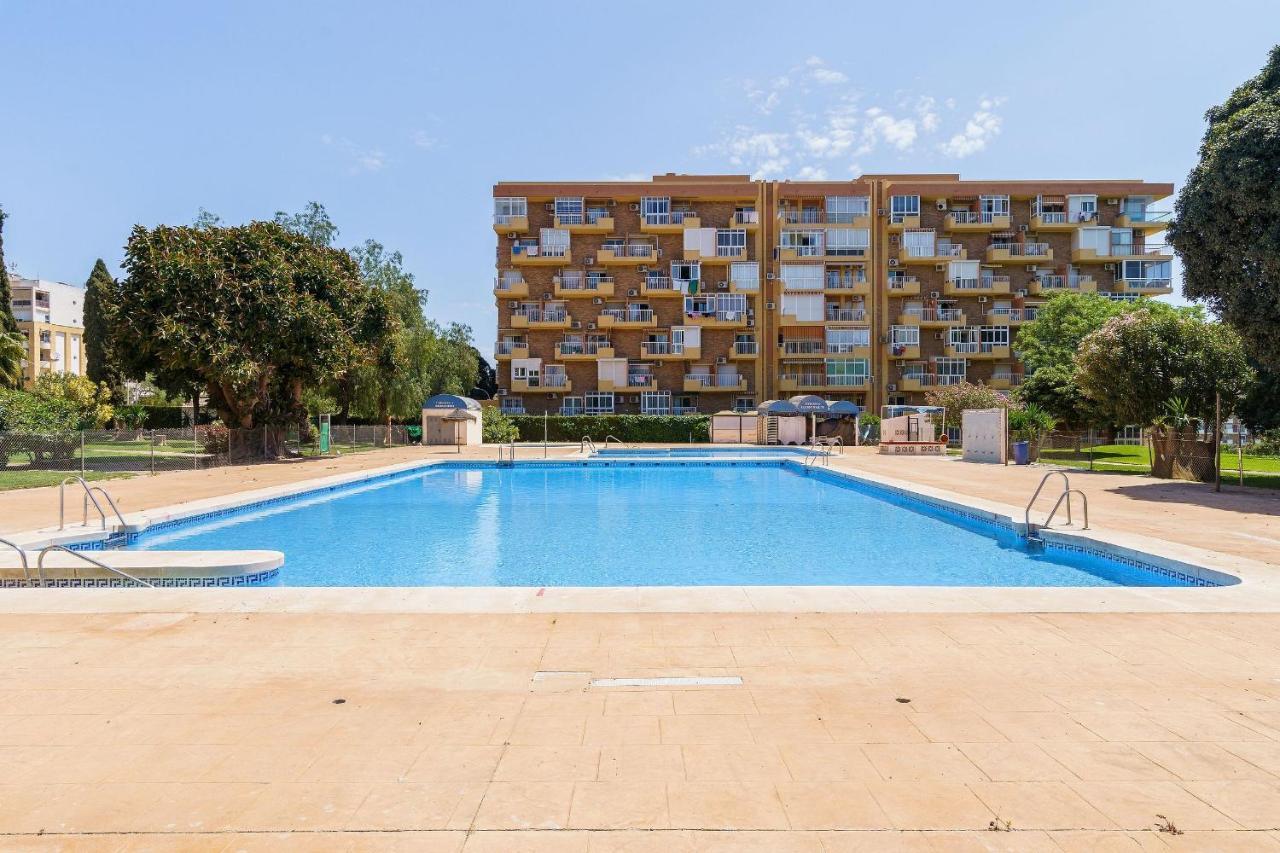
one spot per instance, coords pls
(400, 116)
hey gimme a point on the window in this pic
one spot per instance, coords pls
(512, 405)
(569, 211)
(744, 404)
(846, 208)
(572, 406)
(1158, 273)
(685, 271)
(951, 371)
(746, 215)
(963, 273)
(598, 402)
(507, 209)
(1082, 208)
(847, 340)
(655, 403)
(731, 243)
(1097, 239)
(991, 206)
(918, 243)
(1135, 207)
(804, 243)
(554, 241)
(1122, 241)
(656, 211)
(902, 206)
(745, 276)
(847, 372)
(803, 307)
(848, 241)
(990, 337)
(597, 212)
(801, 276)
(901, 337)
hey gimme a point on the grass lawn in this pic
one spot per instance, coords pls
(1259, 471)
(19, 479)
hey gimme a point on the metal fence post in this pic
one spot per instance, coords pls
(153, 452)
(81, 453)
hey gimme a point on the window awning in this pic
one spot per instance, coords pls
(777, 407)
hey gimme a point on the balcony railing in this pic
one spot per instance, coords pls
(629, 250)
(846, 315)
(746, 217)
(938, 250)
(536, 250)
(508, 347)
(932, 379)
(675, 217)
(719, 380)
(838, 282)
(1024, 250)
(1138, 216)
(578, 282)
(965, 283)
(745, 348)
(1053, 282)
(535, 315)
(1007, 376)
(1138, 250)
(661, 282)
(629, 315)
(507, 284)
(639, 380)
(731, 251)
(508, 218)
(847, 348)
(971, 217)
(903, 282)
(653, 348)
(1014, 314)
(935, 315)
(823, 380)
(803, 347)
(582, 347)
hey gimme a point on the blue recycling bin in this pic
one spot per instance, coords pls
(1022, 453)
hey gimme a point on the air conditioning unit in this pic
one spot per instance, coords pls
(659, 252)
(720, 359)
(939, 267)
(633, 292)
(770, 306)
(724, 285)
(575, 324)
(892, 386)
(937, 336)
(502, 392)
(893, 262)
(612, 202)
(1109, 267)
(597, 301)
(884, 339)
(1022, 292)
(880, 211)
(982, 299)
(1033, 268)
(642, 270)
(768, 276)
(941, 204)
(751, 324)
(933, 294)
(550, 207)
(513, 304)
(634, 207)
(554, 396)
(1113, 201)
(546, 296)
(1022, 228)
(591, 326)
(511, 235)
(589, 260)
(902, 362)
(893, 239)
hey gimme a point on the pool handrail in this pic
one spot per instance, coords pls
(22, 555)
(45, 550)
(585, 443)
(88, 496)
(1067, 491)
(609, 438)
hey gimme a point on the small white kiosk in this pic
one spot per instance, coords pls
(454, 420)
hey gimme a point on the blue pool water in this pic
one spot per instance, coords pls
(634, 524)
(772, 452)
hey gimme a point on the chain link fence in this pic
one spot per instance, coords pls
(1163, 453)
(190, 448)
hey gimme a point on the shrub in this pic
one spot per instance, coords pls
(1266, 444)
(163, 417)
(666, 429)
(964, 395)
(498, 427)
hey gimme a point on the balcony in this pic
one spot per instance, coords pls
(1144, 286)
(661, 285)
(1019, 253)
(627, 254)
(503, 350)
(718, 319)
(797, 381)
(695, 382)
(939, 253)
(505, 288)
(748, 219)
(846, 286)
(627, 318)
(508, 224)
(1046, 284)
(723, 255)
(904, 285)
(744, 350)
(846, 315)
(669, 223)
(987, 285)
(588, 223)
(848, 350)
(925, 381)
(964, 220)
(548, 383)
(903, 350)
(1010, 316)
(583, 351)
(1147, 221)
(569, 285)
(903, 221)
(1004, 379)
(530, 254)
(641, 382)
(976, 350)
(806, 348)
(532, 318)
(1122, 252)
(668, 351)
(819, 216)
(932, 317)
(1059, 220)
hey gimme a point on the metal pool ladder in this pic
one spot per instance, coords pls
(609, 438)
(511, 454)
(587, 442)
(89, 496)
(1066, 494)
(45, 551)
(22, 555)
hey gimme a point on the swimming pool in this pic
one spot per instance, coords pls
(751, 451)
(636, 523)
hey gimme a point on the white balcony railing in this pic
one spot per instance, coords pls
(629, 315)
(1024, 250)
(803, 347)
(745, 347)
(846, 315)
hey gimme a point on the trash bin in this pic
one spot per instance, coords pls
(1022, 453)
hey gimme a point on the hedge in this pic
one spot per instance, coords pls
(666, 429)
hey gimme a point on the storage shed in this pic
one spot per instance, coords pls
(450, 419)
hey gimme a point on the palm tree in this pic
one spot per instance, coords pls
(13, 349)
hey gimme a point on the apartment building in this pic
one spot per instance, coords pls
(701, 293)
(51, 317)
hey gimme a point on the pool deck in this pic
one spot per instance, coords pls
(136, 724)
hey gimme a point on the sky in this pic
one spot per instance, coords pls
(400, 116)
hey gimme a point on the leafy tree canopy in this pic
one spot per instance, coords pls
(1260, 408)
(56, 402)
(254, 313)
(100, 357)
(13, 349)
(7, 321)
(1138, 362)
(1227, 219)
(964, 395)
(313, 223)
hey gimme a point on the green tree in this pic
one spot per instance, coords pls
(499, 428)
(486, 377)
(1136, 363)
(255, 314)
(1226, 213)
(964, 395)
(13, 349)
(313, 223)
(7, 321)
(99, 353)
(1260, 408)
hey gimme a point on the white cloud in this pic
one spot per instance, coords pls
(807, 125)
(361, 159)
(978, 131)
